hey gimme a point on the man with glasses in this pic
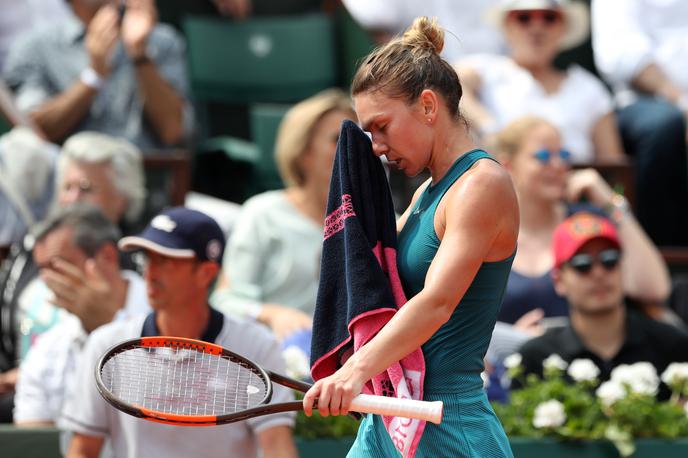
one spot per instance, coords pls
(76, 254)
(602, 328)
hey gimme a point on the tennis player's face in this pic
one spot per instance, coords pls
(537, 175)
(397, 129)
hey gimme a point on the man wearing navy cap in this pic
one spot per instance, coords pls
(587, 272)
(182, 250)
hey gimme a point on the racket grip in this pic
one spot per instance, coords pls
(407, 408)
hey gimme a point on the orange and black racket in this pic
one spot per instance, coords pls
(193, 383)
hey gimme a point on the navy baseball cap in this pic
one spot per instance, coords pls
(180, 232)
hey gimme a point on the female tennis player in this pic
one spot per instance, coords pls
(456, 244)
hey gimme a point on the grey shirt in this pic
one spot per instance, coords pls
(47, 61)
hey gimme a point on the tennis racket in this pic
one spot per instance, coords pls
(193, 383)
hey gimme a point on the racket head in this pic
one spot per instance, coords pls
(181, 381)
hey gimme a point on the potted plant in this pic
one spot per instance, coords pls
(622, 410)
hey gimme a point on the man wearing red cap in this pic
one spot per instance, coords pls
(587, 273)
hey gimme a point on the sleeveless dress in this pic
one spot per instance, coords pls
(454, 354)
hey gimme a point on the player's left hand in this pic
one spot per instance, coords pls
(334, 393)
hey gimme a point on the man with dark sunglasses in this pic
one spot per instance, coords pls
(602, 328)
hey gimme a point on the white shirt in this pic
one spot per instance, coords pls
(509, 92)
(463, 20)
(273, 256)
(627, 35)
(47, 374)
(90, 414)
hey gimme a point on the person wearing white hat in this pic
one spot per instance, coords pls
(500, 89)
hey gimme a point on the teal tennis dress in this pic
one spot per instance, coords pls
(454, 354)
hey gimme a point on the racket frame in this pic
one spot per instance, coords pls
(195, 420)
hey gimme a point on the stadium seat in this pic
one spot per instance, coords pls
(265, 120)
(353, 43)
(262, 60)
(277, 59)
(167, 179)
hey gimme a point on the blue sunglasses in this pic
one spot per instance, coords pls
(545, 156)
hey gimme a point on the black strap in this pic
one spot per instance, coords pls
(215, 323)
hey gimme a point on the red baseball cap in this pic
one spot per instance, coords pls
(578, 229)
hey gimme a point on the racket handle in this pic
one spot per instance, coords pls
(407, 408)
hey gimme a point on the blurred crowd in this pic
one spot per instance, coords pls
(92, 88)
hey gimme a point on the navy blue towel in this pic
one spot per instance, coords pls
(360, 217)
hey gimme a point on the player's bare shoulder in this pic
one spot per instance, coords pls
(486, 180)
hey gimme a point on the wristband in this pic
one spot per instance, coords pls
(91, 78)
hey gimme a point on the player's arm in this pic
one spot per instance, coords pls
(84, 446)
(476, 214)
(277, 442)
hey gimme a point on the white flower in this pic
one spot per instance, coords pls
(610, 392)
(297, 362)
(549, 414)
(513, 360)
(554, 361)
(685, 407)
(675, 373)
(640, 378)
(583, 370)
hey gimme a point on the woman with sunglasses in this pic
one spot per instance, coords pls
(547, 189)
(499, 89)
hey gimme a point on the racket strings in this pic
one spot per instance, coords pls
(183, 381)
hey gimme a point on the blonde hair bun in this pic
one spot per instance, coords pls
(424, 33)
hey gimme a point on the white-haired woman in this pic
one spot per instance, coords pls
(272, 261)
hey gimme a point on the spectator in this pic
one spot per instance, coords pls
(77, 256)
(93, 168)
(462, 19)
(27, 166)
(587, 252)
(500, 89)
(647, 69)
(183, 249)
(20, 16)
(121, 75)
(272, 262)
(531, 149)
